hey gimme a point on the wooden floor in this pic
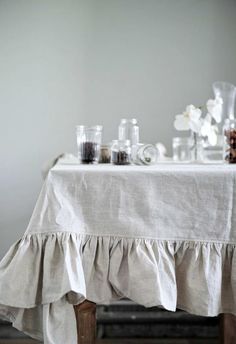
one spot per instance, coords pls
(125, 341)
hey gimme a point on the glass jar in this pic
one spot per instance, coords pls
(146, 154)
(105, 154)
(229, 132)
(129, 130)
(182, 149)
(88, 142)
(121, 152)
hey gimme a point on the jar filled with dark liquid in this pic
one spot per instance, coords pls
(88, 142)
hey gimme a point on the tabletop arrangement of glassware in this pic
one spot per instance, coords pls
(212, 139)
(125, 150)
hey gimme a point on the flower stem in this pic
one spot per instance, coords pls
(195, 146)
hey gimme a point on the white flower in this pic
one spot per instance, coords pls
(209, 130)
(189, 119)
(214, 107)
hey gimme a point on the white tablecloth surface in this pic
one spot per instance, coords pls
(163, 235)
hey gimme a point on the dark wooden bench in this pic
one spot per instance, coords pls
(86, 325)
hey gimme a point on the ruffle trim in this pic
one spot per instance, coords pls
(43, 269)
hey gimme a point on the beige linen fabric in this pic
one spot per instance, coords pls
(162, 235)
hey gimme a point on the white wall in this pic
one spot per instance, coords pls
(65, 62)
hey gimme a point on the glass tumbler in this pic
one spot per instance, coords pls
(88, 141)
(182, 149)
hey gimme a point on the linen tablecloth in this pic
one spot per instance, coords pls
(161, 236)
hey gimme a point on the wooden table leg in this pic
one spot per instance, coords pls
(86, 322)
(227, 329)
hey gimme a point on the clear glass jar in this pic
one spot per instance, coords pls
(146, 154)
(182, 149)
(229, 132)
(88, 142)
(105, 154)
(129, 130)
(121, 152)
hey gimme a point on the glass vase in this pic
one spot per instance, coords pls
(197, 151)
(227, 92)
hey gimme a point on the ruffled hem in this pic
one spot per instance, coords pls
(43, 273)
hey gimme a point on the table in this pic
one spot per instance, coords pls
(162, 235)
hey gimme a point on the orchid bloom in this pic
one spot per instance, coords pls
(209, 130)
(214, 108)
(189, 119)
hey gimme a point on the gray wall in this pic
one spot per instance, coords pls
(65, 62)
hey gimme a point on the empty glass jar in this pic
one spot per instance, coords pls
(121, 152)
(145, 154)
(182, 149)
(129, 130)
(88, 142)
